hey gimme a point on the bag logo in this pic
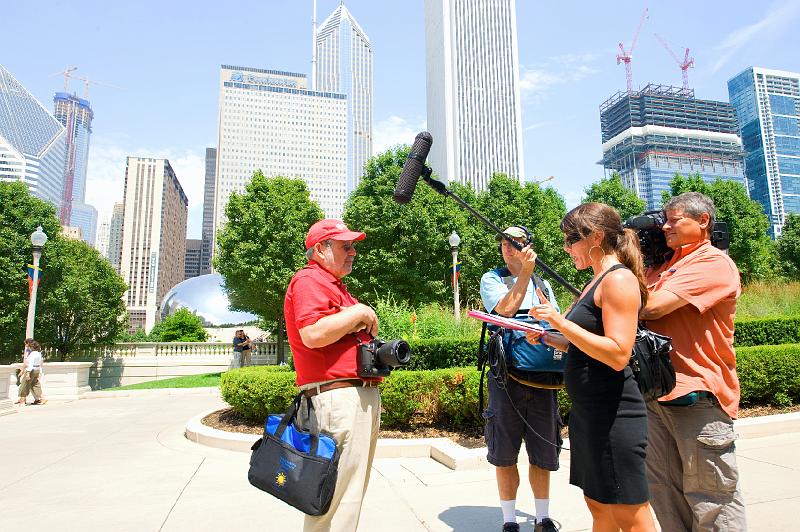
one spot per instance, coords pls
(287, 464)
(280, 479)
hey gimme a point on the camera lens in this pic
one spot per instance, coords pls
(394, 354)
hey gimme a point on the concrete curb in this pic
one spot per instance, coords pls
(100, 394)
(757, 427)
(446, 451)
(443, 450)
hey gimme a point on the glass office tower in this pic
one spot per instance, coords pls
(767, 103)
(344, 66)
(32, 142)
(650, 135)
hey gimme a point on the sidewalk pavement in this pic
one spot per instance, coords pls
(123, 463)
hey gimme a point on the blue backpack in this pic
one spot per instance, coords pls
(536, 365)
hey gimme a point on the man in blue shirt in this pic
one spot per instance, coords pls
(510, 291)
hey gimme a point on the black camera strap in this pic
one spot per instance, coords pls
(496, 360)
(482, 351)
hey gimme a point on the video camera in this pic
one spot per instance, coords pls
(653, 242)
(377, 358)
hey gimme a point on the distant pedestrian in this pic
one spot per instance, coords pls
(26, 350)
(243, 346)
(29, 378)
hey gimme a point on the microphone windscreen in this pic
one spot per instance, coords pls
(413, 168)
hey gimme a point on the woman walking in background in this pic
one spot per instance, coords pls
(29, 378)
(608, 421)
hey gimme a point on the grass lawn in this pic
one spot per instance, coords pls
(769, 300)
(190, 381)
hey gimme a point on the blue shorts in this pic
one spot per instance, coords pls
(505, 428)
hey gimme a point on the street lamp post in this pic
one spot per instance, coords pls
(454, 241)
(38, 240)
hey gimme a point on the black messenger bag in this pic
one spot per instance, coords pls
(297, 466)
(651, 365)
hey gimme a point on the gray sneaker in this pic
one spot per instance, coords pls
(547, 525)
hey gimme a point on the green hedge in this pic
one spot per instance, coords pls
(773, 331)
(769, 375)
(437, 353)
(441, 353)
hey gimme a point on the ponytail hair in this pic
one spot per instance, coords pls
(630, 254)
(586, 218)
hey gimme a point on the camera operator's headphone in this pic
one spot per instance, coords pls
(528, 238)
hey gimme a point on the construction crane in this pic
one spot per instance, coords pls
(86, 81)
(69, 123)
(686, 64)
(626, 56)
(67, 73)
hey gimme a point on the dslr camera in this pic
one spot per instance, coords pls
(653, 242)
(377, 358)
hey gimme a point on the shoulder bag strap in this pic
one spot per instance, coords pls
(481, 366)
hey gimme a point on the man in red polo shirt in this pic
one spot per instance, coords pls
(325, 324)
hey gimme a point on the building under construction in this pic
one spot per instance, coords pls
(652, 134)
(76, 115)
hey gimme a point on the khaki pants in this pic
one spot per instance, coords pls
(30, 385)
(691, 468)
(352, 417)
(245, 358)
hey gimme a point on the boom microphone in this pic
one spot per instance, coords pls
(413, 168)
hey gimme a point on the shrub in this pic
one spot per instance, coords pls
(772, 331)
(769, 374)
(257, 391)
(439, 353)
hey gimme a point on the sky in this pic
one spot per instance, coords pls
(156, 64)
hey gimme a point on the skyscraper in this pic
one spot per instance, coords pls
(207, 235)
(344, 65)
(101, 242)
(767, 103)
(32, 142)
(650, 135)
(85, 217)
(191, 266)
(269, 120)
(474, 110)
(115, 235)
(76, 115)
(153, 237)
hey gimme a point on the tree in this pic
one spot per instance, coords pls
(262, 245)
(182, 326)
(81, 298)
(788, 247)
(611, 191)
(507, 202)
(406, 252)
(751, 248)
(20, 214)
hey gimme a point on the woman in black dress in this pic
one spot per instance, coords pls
(608, 420)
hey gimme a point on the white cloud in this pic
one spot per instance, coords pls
(777, 18)
(395, 130)
(536, 81)
(105, 180)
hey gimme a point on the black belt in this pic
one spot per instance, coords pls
(349, 383)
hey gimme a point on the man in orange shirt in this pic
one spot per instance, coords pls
(691, 452)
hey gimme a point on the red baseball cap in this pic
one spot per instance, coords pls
(331, 229)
